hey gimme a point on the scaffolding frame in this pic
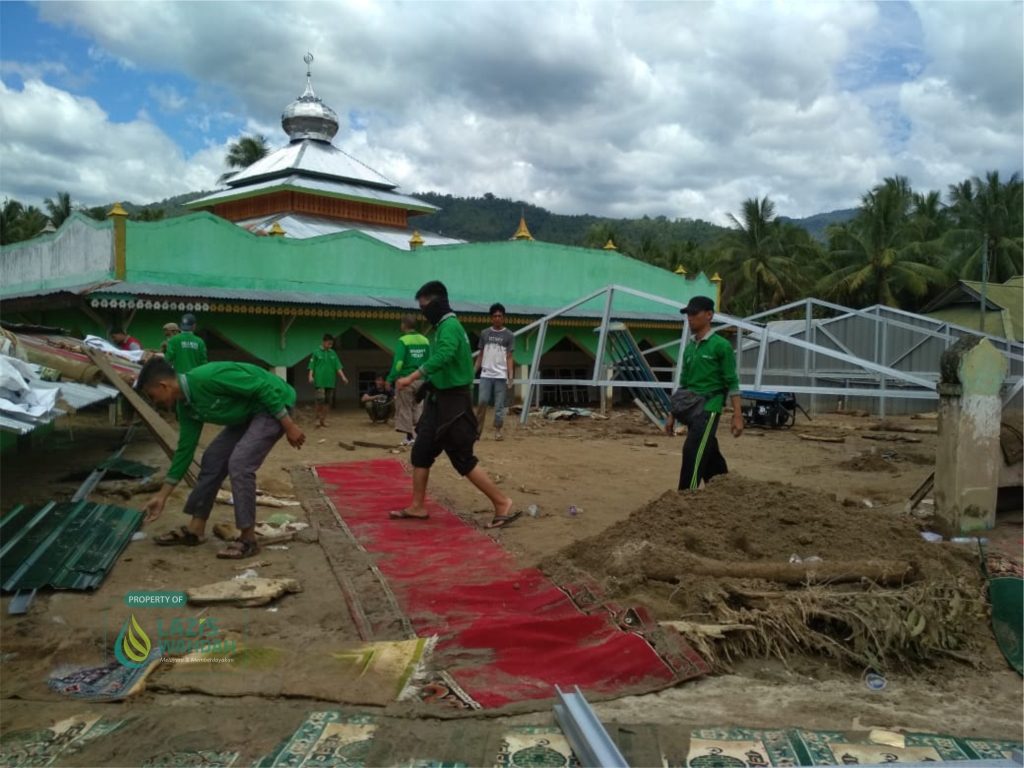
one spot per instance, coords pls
(871, 377)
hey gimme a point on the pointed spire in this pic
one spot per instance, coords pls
(681, 270)
(523, 232)
(610, 245)
(276, 230)
(416, 240)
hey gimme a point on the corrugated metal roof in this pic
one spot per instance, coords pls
(63, 545)
(312, 157)
(19, 427)
(301, 227)
(319, 187)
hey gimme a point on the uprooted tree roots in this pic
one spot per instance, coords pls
(869, 626)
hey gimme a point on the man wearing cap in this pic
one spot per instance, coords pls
(170, 330)
(709, 372)
(185, 350)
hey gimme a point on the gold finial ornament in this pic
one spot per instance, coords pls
(681, 270)
(523, 232)
(117, 210)
(276, 230)
(610, 245)
(416, 240)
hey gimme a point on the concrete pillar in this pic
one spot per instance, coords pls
(281, 372)
(518, 395)
(969, 459)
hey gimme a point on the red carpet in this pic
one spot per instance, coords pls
(506, 634)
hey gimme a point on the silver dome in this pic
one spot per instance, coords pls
(308, 117)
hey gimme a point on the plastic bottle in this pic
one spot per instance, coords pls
(572, 511)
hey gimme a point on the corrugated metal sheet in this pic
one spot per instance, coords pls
(302, 227)
(63, 545)
(9, 424)
(312, 157)
(319, 186)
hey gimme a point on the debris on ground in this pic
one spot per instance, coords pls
(245, 593)
(879, 595)
(883, 461)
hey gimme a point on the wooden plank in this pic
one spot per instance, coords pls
(822, 438)
(164, 433)
(922, 490)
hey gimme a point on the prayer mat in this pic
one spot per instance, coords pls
(202, 757)
(749, 748)
(325, 740)
(110, 682)
(42, 747)
(531, 747)
(507, 634)
(354, 673)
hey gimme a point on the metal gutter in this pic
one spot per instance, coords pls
(589, 740)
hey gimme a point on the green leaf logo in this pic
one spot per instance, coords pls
(132, 646)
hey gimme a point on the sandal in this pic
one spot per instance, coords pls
(181, 537)
(500, 521)
(402, 514)
(239, 550)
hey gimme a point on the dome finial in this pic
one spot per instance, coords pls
(308, 117)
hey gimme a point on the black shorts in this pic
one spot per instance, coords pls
(447, 425)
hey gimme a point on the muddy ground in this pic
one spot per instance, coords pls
(607, 469)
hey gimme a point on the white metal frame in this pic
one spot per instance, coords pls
(887, 382)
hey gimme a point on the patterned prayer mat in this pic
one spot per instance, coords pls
(325, 740)
(110, 682)
(748, 748)
(530, 747)
(43, 747)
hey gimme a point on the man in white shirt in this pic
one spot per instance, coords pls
(495, 366)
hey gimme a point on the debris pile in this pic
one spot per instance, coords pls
(758, 569)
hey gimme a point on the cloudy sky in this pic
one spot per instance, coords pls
(680, 109)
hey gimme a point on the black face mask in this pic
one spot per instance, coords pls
(435, 310)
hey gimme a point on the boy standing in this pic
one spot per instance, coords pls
(324, 367)
(709, 370)
(254, 406)
(495, 366)
(411, 352)
(448, 423)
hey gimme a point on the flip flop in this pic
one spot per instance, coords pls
(401, 514)
(239, 550)
(181, 537)
(500, 521)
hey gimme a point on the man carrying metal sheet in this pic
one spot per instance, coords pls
(709, 376)
(254, 406)
(448, 424)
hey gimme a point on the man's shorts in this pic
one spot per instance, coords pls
(320, 395)
(447, 425)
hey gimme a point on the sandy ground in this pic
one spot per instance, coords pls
(605, 468)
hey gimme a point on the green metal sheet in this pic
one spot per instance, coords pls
(63, 545)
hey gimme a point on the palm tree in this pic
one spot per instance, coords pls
(759, 261)
(876, 258)
(59, 208)
(244, 152)
(18, 222)
(988, 219)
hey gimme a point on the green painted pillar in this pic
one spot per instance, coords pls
(968, 460)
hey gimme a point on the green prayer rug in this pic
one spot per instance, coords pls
(187, 759)
(535, 747)
(326, 740)
(42, 747)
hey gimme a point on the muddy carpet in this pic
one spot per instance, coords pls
(505, 634)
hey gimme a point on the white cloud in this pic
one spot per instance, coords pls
(167, 98)
(52, 140)
(682, 109)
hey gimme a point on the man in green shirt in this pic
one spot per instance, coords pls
(411, 352)
(448, 423)
(709, 370)
(185, 350)
(324, 367)
(254, 407)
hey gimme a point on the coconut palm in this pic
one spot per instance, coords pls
(876, 258)
(988, 219)
(244, 152)
(760, 257)
(59, 208)
(18, 222)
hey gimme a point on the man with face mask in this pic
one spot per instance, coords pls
(448, 423)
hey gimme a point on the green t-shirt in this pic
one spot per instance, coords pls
(228, 394)
(185, 351)
(709, 369)
(411, 352)
(324, 364)
(450, 364)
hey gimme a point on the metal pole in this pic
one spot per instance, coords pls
(762, 353)
(984, 282)
(885, 345)
(603, 333)
(684, 337)
(534, 372)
